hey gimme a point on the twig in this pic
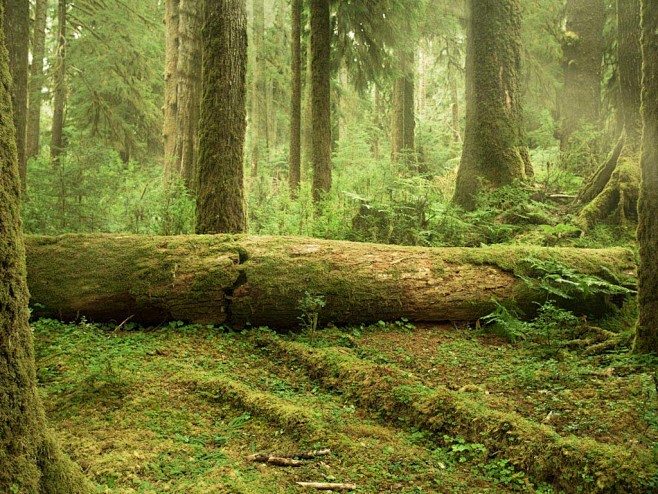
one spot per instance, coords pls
(122, 324)
(322, 486)
(304, 455)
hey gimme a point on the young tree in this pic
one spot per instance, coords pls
(320, 97)
(494, 152)
(294, 172)
(582, 47)
(36, 77)
(221, 204)
(59, 86)
(31, 460)
(646, 339)
(17, 32)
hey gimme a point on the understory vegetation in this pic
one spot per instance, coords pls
(180, 408)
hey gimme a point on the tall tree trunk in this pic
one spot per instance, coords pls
(188, 93)
(294, 172)
(31, 460)
(59, 83)
(307, 113)
(403, 118)
(221, 206)
(494, 152)
(17, 34)
(321, 98)
(343, 104)
(454, 97)
(258, 104)
(377, 121)
(172, 43)
(646, 339)
(582, 47)
(36, 77)
(630, 69)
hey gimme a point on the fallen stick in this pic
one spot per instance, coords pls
(276, 460)
(322, 486)
(304, 455)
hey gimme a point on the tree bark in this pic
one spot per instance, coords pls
(582, 48)
(321, 98)
(295, 170)
(172, 43)
(494, 151)
(221, 206)
(629, 54)
(188, 90)
(646, 339)
(403, 121)
(37, 80)
(59, 84)
(258, 90)
(17, 34)
(31, 460)
(240, 279)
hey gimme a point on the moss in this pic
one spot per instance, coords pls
(570, 464)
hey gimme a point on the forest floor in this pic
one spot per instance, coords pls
(180, 408)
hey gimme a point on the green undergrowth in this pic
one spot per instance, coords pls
(403, 409)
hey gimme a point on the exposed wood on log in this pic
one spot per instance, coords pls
(234, 280)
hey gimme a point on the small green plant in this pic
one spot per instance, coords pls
(505, 323)
(310, 306)
(461, 451)
(501, 471)
(552, 323)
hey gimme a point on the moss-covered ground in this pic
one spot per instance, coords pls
(179, 408)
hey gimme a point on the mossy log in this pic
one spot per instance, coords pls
(224, 279)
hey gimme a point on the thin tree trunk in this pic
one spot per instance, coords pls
(321, 97)
(307, 114)
(258, 105)
(403, 122)
(376, 154)
(172, 43)
(646, 339)
(235, 280)
(582, 47)
(37, 80)
(59, 83)
(294, 173)
(454, 97)
(494, 152)
(343, 105)
(17, 33)
(629, 54)
(32, 462)
(221, 206)
(188, 93)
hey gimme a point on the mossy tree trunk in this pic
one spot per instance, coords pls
(403, 119)
(188, 90)
(646, 339)
(494, 151)
(59, 87)
(612, 193)
(221, 206)
(582, 48)
(37, 80)
(294, 169)
(31, 460)
(320, 98)
(172, 42)
(238, 279)
(17, 34)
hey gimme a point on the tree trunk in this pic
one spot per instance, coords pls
(295, 171)
(37, 80)
(403, 121)
(307, 114)
(258, 104)
(321, 98)
(221, 206)
(235, 280)
(582, 47)
(629, 54)
(31, 460)
(59, 83)
(17, 34)
(494, 151)
(188, 92)
(646, 339)
(172, 43)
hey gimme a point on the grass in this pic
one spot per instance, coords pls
(179, 408)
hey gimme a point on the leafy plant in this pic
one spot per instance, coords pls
(506, 324)
(310, 306)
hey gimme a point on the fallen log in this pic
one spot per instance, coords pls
(244, 279)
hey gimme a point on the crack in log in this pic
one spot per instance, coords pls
(243, 258)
